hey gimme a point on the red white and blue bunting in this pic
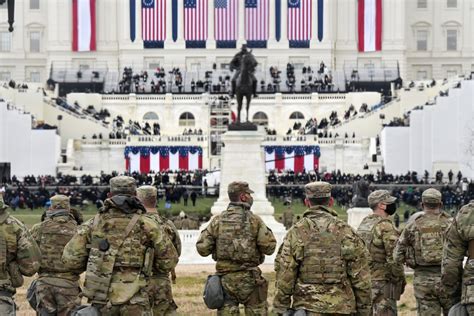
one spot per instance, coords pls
(144, 159)
(295, 158)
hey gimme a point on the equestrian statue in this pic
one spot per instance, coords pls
(244, 83)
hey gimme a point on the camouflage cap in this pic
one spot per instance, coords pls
(146, 192)
(238, 187)
(318, 189)
(60, 202)
(431, 196)
(2, 203)
(380, 196)
(123, 184)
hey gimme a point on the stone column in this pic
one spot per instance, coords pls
(211, 40)
(241, 20)
(271, 31)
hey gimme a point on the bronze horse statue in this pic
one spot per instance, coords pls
(244, 83)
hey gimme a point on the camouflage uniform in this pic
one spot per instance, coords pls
(239, 240)
(118, 249)
(458, 284)
(19, 255)
(322, 265)
(288, 218)
(420, 246)
(57, 287)
(380, 236)
(160, 285)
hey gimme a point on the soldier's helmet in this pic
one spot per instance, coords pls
(431, 196)
(238, 187)
(123, 185)
(380, 196)
(146, 192)
(319, 189)
(60, 202)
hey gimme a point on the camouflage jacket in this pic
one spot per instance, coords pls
(458, 283)
(19, 253)
(130, 257)
(383, 240)
(320, 241)
(170, 230)
(220, 238)
(412, 246)
(52, 235)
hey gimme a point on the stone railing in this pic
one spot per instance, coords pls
(140, 139)
(103, 142)
(291, 138)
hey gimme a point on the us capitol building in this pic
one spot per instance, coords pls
(424, 39)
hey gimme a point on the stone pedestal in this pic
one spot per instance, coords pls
(243, 160)
(355, 215)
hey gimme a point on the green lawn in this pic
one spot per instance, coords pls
(202, 208)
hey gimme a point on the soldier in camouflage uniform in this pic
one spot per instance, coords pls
(57, 287)
(420, 246)
(457, 284)
(288, 217)
(380, 236)
(119, 248)
(239, 240)
(160, 284)
(19, 256)
(322, 265)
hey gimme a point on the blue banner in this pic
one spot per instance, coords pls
(174, 9)
(132, 20)
(320, 19)
(277, 20)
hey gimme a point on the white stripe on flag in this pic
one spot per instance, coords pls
(134, 162)
(369, 25)
(269, 161)
(84, 25)
(193, 161)
(309, 162)
(289, 161)
(174, 161)
(155, 162)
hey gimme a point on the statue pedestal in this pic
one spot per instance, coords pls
(243, 160)
(355, 215)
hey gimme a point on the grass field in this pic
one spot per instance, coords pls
(189, 286)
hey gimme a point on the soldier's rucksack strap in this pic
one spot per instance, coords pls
(470, 249)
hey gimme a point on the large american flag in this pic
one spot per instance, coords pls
(195, 20)
(226, 19)
(257, 20)
(154, 20)
(300, 20)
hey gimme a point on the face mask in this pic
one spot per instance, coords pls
(249, 201)
(391, 209)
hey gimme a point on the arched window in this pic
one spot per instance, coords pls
(297, 116)
(260, 118)
(150, 116)
(186, 119)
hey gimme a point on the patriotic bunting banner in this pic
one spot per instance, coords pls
(83, 26)
(153, 23)
(257, 14)
(195, 23)
(370, 25)
(295, 158)
(161, 158)
(300, 16)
